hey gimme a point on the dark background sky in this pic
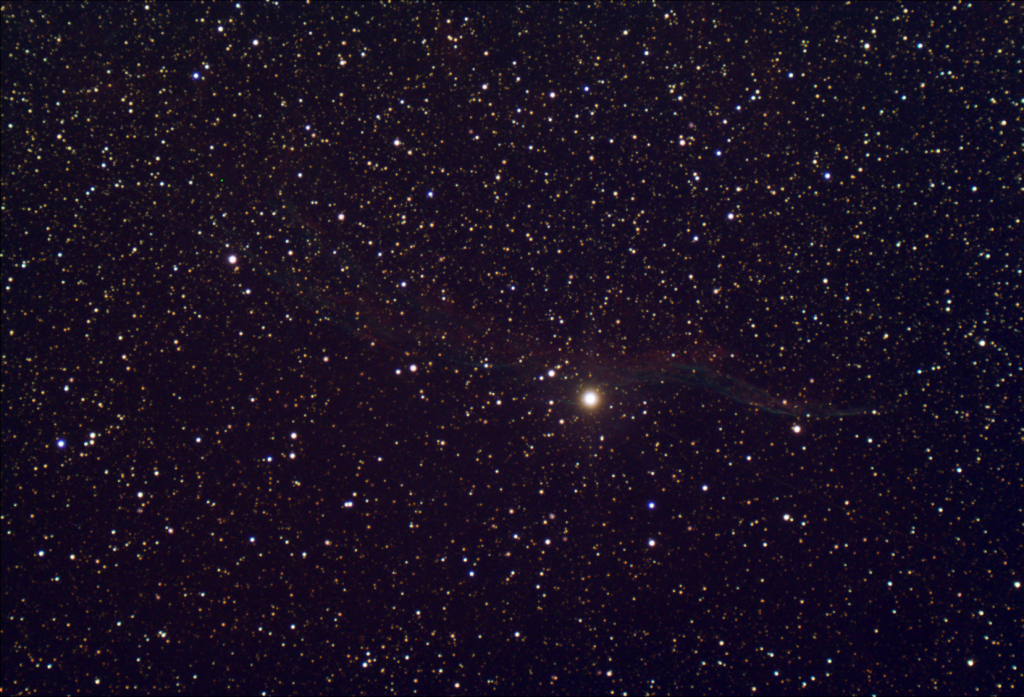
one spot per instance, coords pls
(300, 303)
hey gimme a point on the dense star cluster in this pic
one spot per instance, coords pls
(643, 348)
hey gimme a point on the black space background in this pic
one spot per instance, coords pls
(221, 476)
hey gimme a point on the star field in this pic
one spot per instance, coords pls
(518, 348)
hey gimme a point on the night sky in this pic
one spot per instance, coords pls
(502, 348)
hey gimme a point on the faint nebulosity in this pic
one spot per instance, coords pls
(441, 348)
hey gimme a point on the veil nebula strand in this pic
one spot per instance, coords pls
(324, 272)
